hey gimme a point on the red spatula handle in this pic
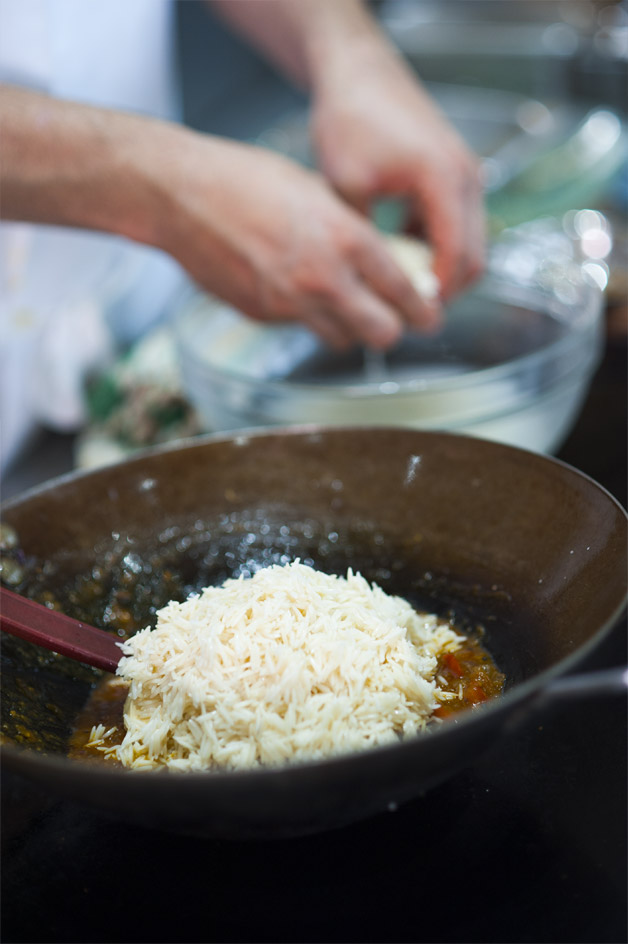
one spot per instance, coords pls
(53, 630)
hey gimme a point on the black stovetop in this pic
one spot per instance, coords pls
(528, 844)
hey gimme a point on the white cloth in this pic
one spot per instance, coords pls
(67, 297)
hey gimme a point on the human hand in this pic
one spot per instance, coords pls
(377, 133)
(264, 234)
(272, 239)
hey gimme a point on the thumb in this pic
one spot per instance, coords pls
(354, 197)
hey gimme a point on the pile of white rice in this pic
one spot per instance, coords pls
(290, 664)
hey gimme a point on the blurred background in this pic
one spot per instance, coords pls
(538, 89)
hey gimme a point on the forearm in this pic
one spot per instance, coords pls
(375, 130)
(307, 39)
(74, 165)
(259, 231)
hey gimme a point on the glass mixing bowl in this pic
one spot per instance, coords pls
(513, 362)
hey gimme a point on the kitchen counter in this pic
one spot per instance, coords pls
(528, 844)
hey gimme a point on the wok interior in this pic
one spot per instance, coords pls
(519, 543)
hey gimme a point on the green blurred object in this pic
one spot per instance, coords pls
(578, 172)
(136, 403)
(538, 160)
(103, 395)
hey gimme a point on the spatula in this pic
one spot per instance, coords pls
(36, 623)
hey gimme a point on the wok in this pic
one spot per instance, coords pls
(524, 545)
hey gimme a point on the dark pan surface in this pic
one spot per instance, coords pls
(532, 549)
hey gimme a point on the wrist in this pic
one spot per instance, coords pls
(138, 187)
(74, 165)
(344, 42)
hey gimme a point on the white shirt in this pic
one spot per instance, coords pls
(67, 297)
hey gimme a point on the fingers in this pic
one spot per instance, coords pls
(357, 198)
(370, 319)
(345, 285)
(365, 296)
(451, 214)
(385, 277)
(476, 228)
(329, 327)
(337, 305)
(350, 313)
